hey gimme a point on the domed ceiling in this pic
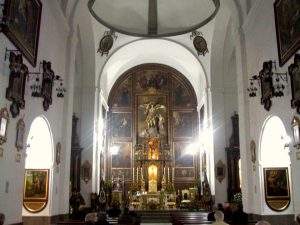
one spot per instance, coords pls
(153, 18)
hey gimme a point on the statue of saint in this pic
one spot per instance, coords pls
(154, 121)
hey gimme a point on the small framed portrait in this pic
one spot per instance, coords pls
(220, 171)
(4, 120)
(277, 188)
(20, 135)
(36, 183)
(22, 26)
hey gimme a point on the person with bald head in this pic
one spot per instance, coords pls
(262, 222)
(219, 217)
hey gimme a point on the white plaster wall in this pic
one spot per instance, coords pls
(52, 47)
(261, 45)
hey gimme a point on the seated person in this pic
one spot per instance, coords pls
(239, 217)
(298, 219)
(2, 218)
(211, 215)
(262, 222)
(126, 218)
(219, 217)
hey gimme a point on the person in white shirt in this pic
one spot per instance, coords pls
(219, 217)
(262, 222)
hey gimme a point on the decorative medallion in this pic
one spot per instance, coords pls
(199, 42)
(4, 120)
(253, 151)
(58, 153)
(20, 135)
(106, 42)
(220, 171)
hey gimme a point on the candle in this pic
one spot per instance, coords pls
(137, 174)
(168, 173)
(132, 174)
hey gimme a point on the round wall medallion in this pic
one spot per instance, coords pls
(106, 44)
(200, 45)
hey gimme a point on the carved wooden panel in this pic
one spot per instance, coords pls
(153, 100)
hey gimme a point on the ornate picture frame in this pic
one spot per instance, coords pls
(220, 171)
(287, 22)
(22, 20)
(277, 188)
(36, 189)
(4, 120)
(294, 72)
(20, 135)
(86, 171)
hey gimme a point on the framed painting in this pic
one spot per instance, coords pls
(122, 159)
(121, 125)
(182, 159)
(287, 22)
(152, 120)
(36, 184)
(183, 124)
(22, 26)
(277, 189)
(294, 72)
(123, 96)
(181, 96)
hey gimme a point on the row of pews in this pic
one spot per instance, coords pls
(187, 218)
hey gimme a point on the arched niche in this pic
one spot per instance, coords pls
(128, 99)
(38, 166)
(275, 166)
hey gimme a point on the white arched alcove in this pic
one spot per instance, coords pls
(40, 155)
(159, 51)
(166, 52)
(273, 153)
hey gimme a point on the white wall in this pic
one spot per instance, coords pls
(52, 47)
(261, 45)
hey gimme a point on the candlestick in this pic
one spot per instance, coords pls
(132, 174)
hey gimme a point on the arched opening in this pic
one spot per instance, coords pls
(153, 130)
(38, 165)
(275, 166)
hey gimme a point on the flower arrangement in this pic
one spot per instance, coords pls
(237, 198)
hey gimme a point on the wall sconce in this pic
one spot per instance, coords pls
(271, 82)
(295, 128)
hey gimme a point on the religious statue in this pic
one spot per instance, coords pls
(154, 121)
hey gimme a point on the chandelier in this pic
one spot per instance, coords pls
(153, 18)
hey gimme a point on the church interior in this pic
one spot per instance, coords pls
(149, 112)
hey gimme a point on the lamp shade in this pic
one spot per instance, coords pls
(153, 18)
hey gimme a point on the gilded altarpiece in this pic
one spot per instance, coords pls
(153, 106)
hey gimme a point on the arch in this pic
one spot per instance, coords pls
(39, 135)
(166, 52)
(38, 168)
(272, 145)
(273, 155)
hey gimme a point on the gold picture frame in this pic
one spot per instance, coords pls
(36, 189)
(277, 188)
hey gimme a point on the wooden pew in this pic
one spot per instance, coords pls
(71, 222)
